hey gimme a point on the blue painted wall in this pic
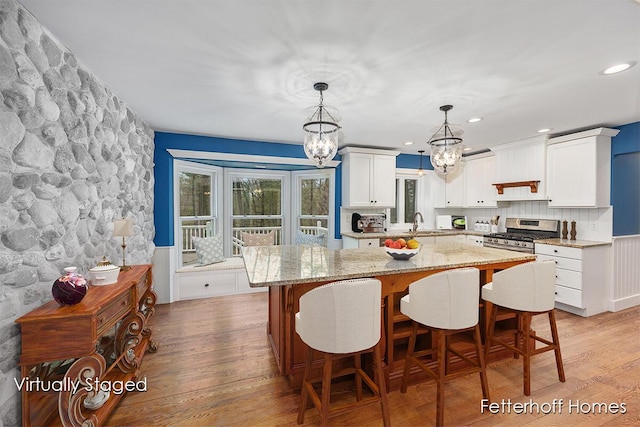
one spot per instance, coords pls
(625, 180)
(163, 171)
(625, 197)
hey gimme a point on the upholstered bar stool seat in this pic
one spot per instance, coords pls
(447, 304)
(342, 319)
(526, 290)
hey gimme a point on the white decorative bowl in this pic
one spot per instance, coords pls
(104, 273)
(402, 253)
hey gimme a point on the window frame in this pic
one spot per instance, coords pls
(285, 210)
(401, 177)
(296, 208)
(215, 172)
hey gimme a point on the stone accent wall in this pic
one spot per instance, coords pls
(72, 158)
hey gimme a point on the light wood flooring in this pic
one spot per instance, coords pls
(214, 367)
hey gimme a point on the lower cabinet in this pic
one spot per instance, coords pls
(582, 276)
(352, 243)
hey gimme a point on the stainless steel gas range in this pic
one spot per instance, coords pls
(521, 232)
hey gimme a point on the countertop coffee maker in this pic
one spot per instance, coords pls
(368, 223)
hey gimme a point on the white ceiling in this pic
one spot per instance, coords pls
(245, 68)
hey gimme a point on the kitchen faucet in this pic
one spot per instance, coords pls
(415, 221)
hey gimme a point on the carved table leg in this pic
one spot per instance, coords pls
(147, 308)
(80, 375)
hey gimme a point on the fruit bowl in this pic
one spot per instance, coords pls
(402, 254)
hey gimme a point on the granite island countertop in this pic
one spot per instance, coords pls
(580, 244)
(290, 264)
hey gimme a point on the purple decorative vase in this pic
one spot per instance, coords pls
(70, 288)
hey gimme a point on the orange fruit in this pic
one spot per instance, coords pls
(413, 244)
(402, 242)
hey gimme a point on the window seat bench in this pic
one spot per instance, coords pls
(228, 277)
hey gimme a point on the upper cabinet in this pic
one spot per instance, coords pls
(579, 169)
(520, 169)
(368, 177)
(479, 177)
(448, 191)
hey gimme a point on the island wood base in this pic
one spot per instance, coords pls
(290, 351)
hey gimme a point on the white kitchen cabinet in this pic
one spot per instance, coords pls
(352, 243)
(368, 177)
(579, 169)
(474, 240)
(582, 276)
(479, 176)
(519, 162)
(448, 191)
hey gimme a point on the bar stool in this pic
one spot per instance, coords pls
(447, 304)
(342, 319)
(525, 290)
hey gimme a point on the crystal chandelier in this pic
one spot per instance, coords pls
(446, 148)
(321, 131)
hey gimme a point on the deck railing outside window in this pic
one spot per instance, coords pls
(204, 230)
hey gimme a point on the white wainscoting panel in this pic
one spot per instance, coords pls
(626, 272)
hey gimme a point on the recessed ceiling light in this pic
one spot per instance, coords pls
(545, 130)
(467, 149)
(474, 120)
(618, 68)
(408, 143)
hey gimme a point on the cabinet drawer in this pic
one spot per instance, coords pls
(109, 315)
(569, 296)
(368, 243)
(141, 286)
(207, 285)
(569, 278)
(564, 263)
(561, 251)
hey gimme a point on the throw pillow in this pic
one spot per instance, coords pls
(208, 249)
(310, 239)
(258, 239)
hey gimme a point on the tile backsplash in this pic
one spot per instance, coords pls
(591, 224)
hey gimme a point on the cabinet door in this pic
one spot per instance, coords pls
(479, 175)
(384, 181)
(454, 190)
(438, 190)
(360, 171)
(489, 192)
(473, 183)
(571, 173)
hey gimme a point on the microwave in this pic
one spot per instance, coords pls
(451, 222)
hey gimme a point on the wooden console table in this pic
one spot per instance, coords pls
(67, 350)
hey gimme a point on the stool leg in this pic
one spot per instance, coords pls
(442, 355)
(490, 329)
(382, 387)
(326, 389)
(518, 335)
(407, 361)
(483, 371)
(556, 342)
(304, 395)
(526, 326)
(357, 361)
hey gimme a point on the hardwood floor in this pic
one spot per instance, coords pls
(214, 367)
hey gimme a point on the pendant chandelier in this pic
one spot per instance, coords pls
(321, 130)
(446, 148)
(420, 170)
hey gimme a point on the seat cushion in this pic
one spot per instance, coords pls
(310, 239)
(258, 239)
(209, 249)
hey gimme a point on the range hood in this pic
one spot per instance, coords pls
(521, 169)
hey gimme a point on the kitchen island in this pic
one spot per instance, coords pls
(290, 271)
